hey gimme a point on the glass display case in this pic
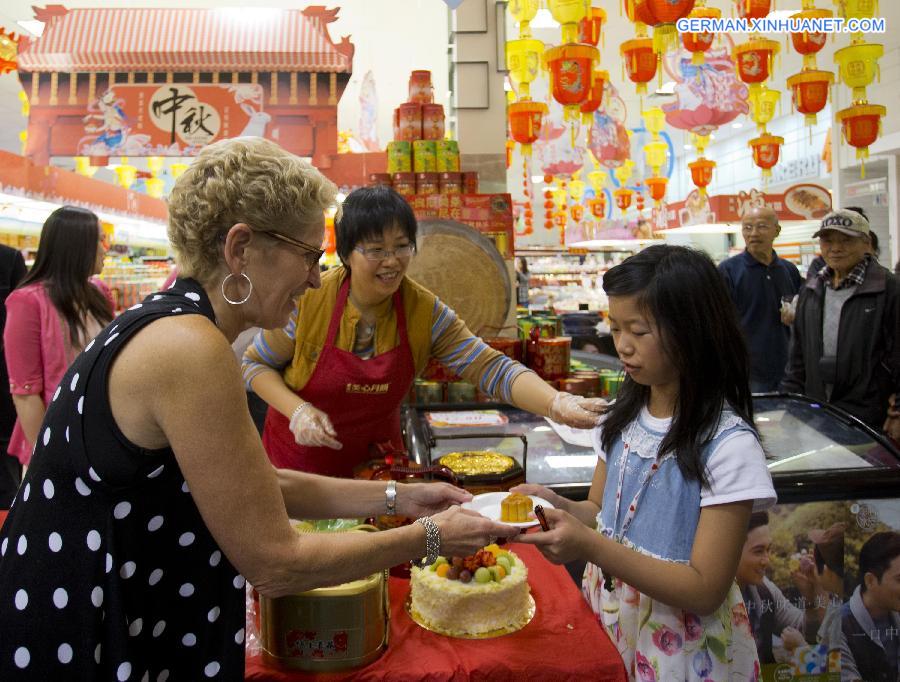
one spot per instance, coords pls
(815, 451)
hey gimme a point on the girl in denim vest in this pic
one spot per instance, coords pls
(680, 470)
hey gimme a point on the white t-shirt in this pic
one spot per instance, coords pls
(736, 470)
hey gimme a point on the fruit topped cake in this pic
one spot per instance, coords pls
(473, 595)
(515, 507)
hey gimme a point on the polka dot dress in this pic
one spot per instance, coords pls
(107, 570)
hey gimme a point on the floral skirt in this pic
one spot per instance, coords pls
(660, 643)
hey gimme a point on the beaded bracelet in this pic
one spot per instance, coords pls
(432, 540)
(296, 413)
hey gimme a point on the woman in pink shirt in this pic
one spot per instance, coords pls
(52, 316)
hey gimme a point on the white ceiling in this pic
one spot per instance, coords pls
(616, 30)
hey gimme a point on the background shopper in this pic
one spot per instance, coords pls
(53, 314)
(12, 271)
(762, 286)
(846, 346)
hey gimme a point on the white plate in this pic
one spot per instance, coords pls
(488, 504)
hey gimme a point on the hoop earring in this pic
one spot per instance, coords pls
(243, 300)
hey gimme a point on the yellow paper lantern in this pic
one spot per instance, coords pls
(155, 164)
(654, 120)
(83, 166)
(597, 178)
(655, 155)
(763, 103)
(176, 169)
(523, 59)
(577, 188)
(568, 13)
(126, 175)
(858, 66)
(524, 11)
(155, 187)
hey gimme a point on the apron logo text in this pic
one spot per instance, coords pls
(368, 388)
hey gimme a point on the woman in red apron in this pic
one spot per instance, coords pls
(335, 376)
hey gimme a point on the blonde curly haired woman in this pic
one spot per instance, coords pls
(150, 498)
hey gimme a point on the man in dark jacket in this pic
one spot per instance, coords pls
(759, 283)
(12, 270)
(847, 325)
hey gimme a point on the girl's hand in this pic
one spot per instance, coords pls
(425, 499)
(792, 638)
(543, 492)
(464, 532)
(577, 412)
(565, 541)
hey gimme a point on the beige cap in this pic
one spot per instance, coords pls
(843, 220)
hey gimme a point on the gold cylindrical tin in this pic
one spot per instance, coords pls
(327, 629)
(460, 392)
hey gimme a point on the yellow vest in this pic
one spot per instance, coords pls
(314, 311)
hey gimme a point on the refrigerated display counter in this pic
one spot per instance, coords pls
(815, 451)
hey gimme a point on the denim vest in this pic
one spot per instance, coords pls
(666, 519)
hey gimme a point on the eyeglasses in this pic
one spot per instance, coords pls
(383, 254)
(313, 255)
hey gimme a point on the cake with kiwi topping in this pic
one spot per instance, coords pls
(474, 595)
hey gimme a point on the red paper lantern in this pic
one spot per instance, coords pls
(698, 43)
(808, 43)
(657, 187)
(595, 98)
(640, 61)
(810, 92)
(570, 72)
(753, 60)
(662, 15)
(766, 150)
(701, 173)
(753, 9)
(525, 120)
(860, 125)
(590, 28)
(623, 197)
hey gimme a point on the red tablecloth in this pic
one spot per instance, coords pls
(562, 642)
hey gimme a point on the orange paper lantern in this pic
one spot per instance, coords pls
(598, 206)
(577, 212)
(525, 120)
(698, 43)
(860, 125)
(570, 68)
(623, 197)
(560, 219)
(810, 92)
(701, 173)
(590, 28)
(808, 43)
(657, 187)
(640, 61)
(662, 15)
(595, 98)
(766, 150)
(753, 60)
(753, 9)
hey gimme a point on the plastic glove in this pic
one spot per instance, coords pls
(311, 426)
(577, 412)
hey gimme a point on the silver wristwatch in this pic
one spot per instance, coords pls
(390, 498)
(432, 540)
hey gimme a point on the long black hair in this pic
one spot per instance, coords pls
(65, 262)
(682, 292)
(366, 213)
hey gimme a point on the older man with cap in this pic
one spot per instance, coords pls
(846, 347)
(758, 281)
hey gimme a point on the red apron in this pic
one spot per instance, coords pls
(361, 397)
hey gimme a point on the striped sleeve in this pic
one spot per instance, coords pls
(270, 349)
(454, 346)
